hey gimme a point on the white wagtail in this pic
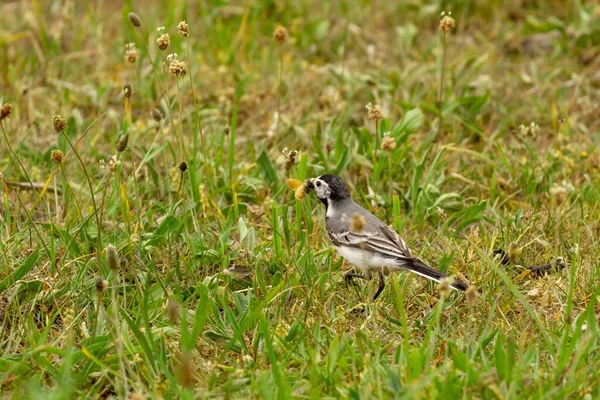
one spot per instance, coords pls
(374, 246)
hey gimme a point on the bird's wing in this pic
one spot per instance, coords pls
(382, 240)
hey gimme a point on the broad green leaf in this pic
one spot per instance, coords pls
(19, 272)
(267, 166)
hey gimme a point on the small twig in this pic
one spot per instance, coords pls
(32, 186)
(541, 270)
(536, 270)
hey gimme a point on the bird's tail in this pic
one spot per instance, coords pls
(420, 268)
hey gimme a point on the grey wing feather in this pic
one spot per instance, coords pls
(378, 238)
(397, 240)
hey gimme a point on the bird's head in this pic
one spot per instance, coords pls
(328, 188)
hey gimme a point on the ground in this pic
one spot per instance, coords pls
(150, 247)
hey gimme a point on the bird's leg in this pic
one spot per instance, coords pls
(381, 284)
(349, 275)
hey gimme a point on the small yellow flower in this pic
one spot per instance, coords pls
(298, 187)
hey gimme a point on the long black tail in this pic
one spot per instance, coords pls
(420, 268)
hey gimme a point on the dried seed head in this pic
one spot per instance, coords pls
(388, 144)
(163, 41)
(443, 287)
(514, 251)
(281, 34)
(471, 294)
(122, 143)
(442, 213)
(358, 222)
(157, 115)
(100, 284)
(374, 112)
(59, 123)
(5, 111)
(173, 311)
(131, 54)
(111, 163)
(186, 371)
(183, 167)
(290, 158)
(134, 19)
(57, 156)
(112, 257)
(183, 29)
(127, 90)
(177, 68)
(559, 193)
(447, 23)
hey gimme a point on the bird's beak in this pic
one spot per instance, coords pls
(309, 185)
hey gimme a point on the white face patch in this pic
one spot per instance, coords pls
(321, 189)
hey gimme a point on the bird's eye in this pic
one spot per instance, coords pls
(318, 183)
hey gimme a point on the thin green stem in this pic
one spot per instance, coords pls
(103, 202)
(441, 94)
(89, 182)
(117, 336)
(198, 116)
(182, 154)
(68, 189)
(56, 208)
(97, 316)
(279, 90)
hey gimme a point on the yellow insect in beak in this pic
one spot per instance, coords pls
(299, 188)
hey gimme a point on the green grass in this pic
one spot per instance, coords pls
(172, 322)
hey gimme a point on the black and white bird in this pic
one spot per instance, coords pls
(370, 244)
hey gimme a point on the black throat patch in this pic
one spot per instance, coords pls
(325, 203)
